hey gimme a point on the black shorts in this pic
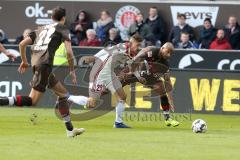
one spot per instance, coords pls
(43, 78)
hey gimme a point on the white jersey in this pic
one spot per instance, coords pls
(111, 57)
(102, 75)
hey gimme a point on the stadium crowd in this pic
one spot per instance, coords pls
(85, 32)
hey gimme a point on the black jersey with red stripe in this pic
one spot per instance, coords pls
(154, 62)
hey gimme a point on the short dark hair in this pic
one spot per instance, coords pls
(58, 13)
(208, 20)
(107, 12)
(154, 7)
(180, 15)
(185, 33)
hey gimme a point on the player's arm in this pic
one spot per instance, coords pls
(137, 61)
(70, 58)
(7, 53)
(140, 57)
(22, 48)
(88, 59)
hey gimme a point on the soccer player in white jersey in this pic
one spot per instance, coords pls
(103, 77)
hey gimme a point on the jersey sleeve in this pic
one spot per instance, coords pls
(64, 32)
(33, 36)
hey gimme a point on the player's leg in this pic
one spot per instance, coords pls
(115, 87)
(78, 99)
(18, 100)
(95, 92)
(35, 95)
(63, 106)
(91, 100)
(165, 105)
(38, 83)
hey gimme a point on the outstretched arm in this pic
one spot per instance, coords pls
(140, 57)
(88, 59)
(136, 62)
(22, 48)
(70, 58)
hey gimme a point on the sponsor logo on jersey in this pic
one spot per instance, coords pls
(195, 14)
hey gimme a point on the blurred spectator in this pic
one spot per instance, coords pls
(3, 37)
(156, 25)
(78, 29)
(23, 36)
(182, 26)
(220, 43)
(207, 34)
(232, 30)
(142, 29)
(104, 24)
(91, 39)
(113, 38)
(185, 42)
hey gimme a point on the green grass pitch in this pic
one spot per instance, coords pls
(147, 140)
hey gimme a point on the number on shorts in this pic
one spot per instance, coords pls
(99, 87)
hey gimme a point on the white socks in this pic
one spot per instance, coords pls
(119, 111)
(11, 101)
(80, 100)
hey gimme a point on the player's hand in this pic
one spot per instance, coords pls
(10, 55)
(142, 80)
(23, 67)
(74, 77)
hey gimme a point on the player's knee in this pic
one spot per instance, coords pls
(52, 81)
(23, 101)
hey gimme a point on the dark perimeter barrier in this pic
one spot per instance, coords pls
(197, 91)
(181, 59)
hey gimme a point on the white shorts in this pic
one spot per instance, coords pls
(102, 83)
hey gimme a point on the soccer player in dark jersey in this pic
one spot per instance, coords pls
(151, 68)
(45, 41)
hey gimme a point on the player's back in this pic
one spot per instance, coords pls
(46, 40)
(112, 57)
